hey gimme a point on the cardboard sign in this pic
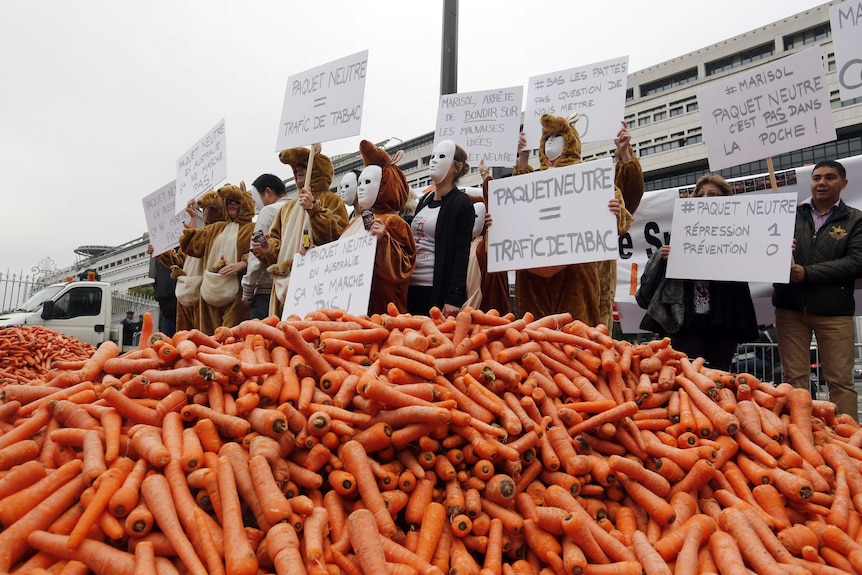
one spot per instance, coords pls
(733, 238)
(486, 124)
(164, 223)
(324, 103)
(775, 108)
(552, 217)
(336, 275)
(846, 20)
(596, 91)
(202, 167)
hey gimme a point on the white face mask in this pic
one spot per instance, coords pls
(347, 188)
(369, 186)
(554, 146)
(479, 222)
(441, 160)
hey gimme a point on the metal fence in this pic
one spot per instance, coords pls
(15, 289)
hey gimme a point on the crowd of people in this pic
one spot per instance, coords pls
(432, 253)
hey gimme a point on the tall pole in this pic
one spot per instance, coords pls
(449, 56)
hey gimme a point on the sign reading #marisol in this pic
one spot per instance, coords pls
(775, 108)
(733, 238)
(552, 217)
(336, 275)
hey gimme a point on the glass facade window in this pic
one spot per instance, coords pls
(669, 83)
(740, 59)
(805, 37)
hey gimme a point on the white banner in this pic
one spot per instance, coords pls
(775, 108)
(653, 222)
(324, 103)
(846, 21)
(552, 217)
(486, 124)
(202, 167)
(735, 238)
(336, 275)
(164, 223)
(596, 91)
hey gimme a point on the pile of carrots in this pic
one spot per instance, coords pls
(399, 444)
(27, 353)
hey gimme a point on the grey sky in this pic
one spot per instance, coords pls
(98, 98)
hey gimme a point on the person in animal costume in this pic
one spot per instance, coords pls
(347, 191)
(383, 188)
(579, 289)
(188, 270)
(315, 209)
(223, 246)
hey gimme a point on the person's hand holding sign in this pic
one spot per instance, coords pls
(622, 141)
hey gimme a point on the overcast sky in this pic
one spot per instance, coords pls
(98, 98)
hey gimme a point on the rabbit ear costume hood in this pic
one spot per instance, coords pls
(321, 172)
(394, 190)
(565, 127)
(245, 199)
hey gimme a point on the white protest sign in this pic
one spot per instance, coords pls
(552, 217)
(775, 108)
(846, 21)
(733, 238)
(596, 91)
(486, 124)
(336, 275)
(164, 223)
(324, 103)
(202, 167)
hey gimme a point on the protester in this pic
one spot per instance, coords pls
(223, 246)
(827, 259)
(495, 285)
(707, 319)
(383, 188)
(442, 227)
(315, 211)
(129, 325)
(164, 289)
(575, 288)
(257, 283)
(347, 192)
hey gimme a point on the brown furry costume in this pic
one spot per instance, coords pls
(221, 243)
(285, 235)
(183, 265)
(396, 251)
(580, 289)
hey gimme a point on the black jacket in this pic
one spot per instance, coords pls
(452, 238)
(832, 258)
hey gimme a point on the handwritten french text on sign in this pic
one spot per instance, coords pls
(733, 238)
(202, 167)
(846, 20)
(552, 217)
(775, 108)
(597, 92)
(324, 103)
(164, 223)
(486, 124)
(336, 275)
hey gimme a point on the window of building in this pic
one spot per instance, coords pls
(831, 66)
(630, 94)
(691, 107)
(810, 36)
(740, 59)
(669, 83)
(643, 121)
(659, 116)
(676, 111)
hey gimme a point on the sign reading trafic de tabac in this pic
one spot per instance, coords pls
(485, 123)
(324, 103)
(597, 92)
(552, 217)
(202, 167)
(164, 222)
(775, 108)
